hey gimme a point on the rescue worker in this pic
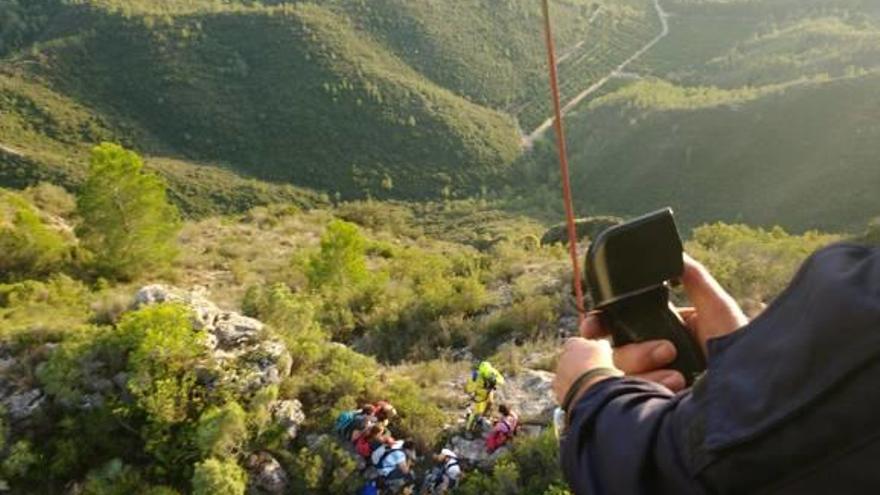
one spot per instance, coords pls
(481, 387)
(788, 405)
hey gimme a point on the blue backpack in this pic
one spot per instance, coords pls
(345, 424)
(371, 488)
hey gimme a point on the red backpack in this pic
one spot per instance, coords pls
(362, 447)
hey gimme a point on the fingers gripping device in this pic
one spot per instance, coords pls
(628, 270)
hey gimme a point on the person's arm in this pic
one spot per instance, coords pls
(623, 432)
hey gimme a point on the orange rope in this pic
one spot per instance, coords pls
(563, 164)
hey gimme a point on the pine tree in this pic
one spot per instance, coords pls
(127, 221)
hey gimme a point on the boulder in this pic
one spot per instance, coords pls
(21, 405)
(249, 359)
(288, 414)
(266, 474)
(472, 452)
(530, 394)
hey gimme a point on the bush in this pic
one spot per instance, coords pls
(128, 222)
(52, 199)
(162, 361)
(31, 247)
(532, 467)
(419, 419)
(114, 478)
(754, 264)
(216, 477)
(325, 468)
(41, 310)
(341, 260)
(20, 460)
(221, 431)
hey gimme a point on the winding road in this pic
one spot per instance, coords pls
(530, 139)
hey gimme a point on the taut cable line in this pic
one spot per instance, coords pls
(563, 162)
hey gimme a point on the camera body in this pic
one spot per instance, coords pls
(628, 271)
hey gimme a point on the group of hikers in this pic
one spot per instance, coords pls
(388, 463)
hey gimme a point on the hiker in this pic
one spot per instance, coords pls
(384, 412)
(481, 387)
(394, 464)
(351, 424)
(444, 477)
(503, 430)
(371, 440)
(788, 405)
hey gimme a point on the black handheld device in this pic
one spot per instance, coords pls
(629, 267)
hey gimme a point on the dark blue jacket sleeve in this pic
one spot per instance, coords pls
(623, 439)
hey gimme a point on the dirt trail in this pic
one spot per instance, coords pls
(529, 140)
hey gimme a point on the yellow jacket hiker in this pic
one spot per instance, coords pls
(481, 387)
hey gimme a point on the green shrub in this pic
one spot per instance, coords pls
(532, 467)
(341, 260)
(221, 431)
(325, 468)
(127, 221)
(52, 199)
(41, 310)
(216, 477)
(64, 375)
(113, 478)
(31, 247)
(754, 264)
(162, 360)
(419, 419)
(20, 460)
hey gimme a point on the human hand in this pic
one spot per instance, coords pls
(715, 313)
(579, 356)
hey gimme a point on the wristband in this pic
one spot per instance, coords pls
(584, 378)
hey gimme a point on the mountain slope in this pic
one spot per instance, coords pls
(759, 111)
(805, 156)
(289, 93)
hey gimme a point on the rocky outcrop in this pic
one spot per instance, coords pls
(21, 405)
(472, 451)
(289, 416)
(249, 358)
(530, 393)
(266, 475)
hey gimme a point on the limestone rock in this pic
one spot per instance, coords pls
(267, 475)
(530, 393)
(22, 405)
(289, 415)
(248, 358)
(473, 451)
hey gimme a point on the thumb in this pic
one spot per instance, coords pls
(707, 295)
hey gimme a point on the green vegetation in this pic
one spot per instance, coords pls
(753, 264)
(31, 245)
(532, 467)
(365, 312)
(746, 115)
(127, 221)
(710, 154)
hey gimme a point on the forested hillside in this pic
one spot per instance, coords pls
(763, 112)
